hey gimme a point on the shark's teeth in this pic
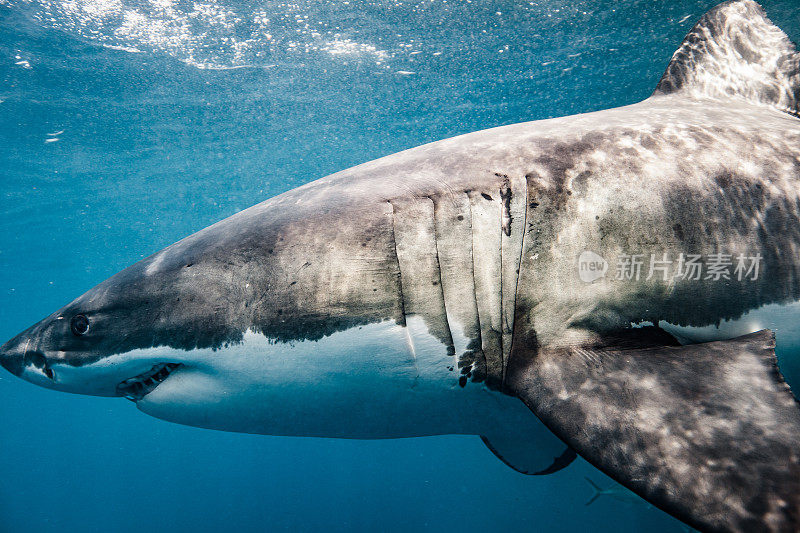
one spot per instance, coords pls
(139, 386)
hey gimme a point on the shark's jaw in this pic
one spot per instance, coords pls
(139, 386)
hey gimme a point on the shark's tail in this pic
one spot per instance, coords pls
(597, 491)
(735, 51)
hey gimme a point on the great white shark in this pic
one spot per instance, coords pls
(601, 284)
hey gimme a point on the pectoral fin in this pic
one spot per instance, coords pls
(707, 432)
(526, 458)
(521, 441)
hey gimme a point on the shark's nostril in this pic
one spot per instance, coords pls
(36, 359)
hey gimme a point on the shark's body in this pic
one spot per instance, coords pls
(430, 291)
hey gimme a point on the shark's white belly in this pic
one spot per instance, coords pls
(783, 319)
(375, 381)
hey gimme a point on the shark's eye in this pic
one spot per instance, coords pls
(79, 325)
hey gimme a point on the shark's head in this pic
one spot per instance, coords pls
(133, 331)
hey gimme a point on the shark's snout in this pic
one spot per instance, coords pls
(12, 355)
(21, 353)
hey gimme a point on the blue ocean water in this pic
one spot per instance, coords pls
(126, 125)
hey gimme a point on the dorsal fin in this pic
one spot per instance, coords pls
(736, 51)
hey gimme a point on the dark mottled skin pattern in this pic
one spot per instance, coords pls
(708, 431)
(658, 191)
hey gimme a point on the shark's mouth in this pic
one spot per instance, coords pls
(140, 386)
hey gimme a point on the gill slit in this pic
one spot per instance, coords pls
(524, 230)
(500, 289)
(451, 349)
(404, 323)
(474, 284)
